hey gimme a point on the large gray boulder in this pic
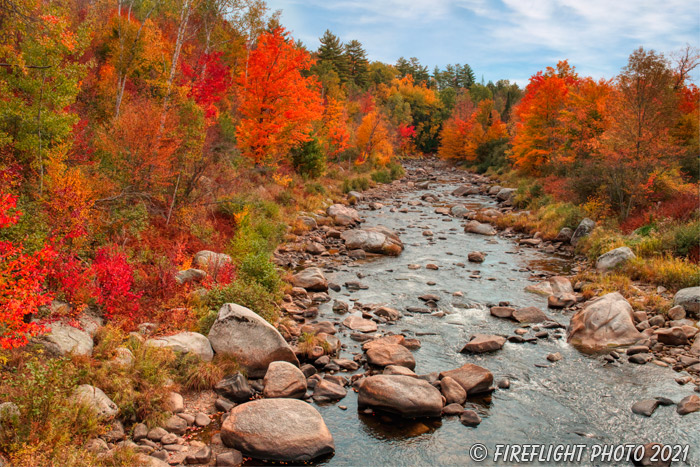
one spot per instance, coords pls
(254, 342)
(63, 339)
(613, 258)
(689, 299)
(96, 399)
(373, 240)
(343, 215)
(286, 430)
(186, 342)
(584, 229)
(477, 227)
(404, 395)
(310, 279)
(605, 322)
(505, 194)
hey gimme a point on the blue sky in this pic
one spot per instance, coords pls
(510, 39)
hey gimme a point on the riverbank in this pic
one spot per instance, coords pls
(400, 305)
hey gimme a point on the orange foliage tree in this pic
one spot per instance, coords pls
(373, 139)
(278, 105)
(336, 137)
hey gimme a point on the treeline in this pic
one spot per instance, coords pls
(626, 146)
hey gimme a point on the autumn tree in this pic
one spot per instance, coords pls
(278, 105)
(639, 142)
(373, 139)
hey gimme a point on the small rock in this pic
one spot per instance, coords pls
(202, 419)
(203, 456)
(688, 404)
(554, 357)
(470, 418)
(645, 407)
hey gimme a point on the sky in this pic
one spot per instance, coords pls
(500, 39)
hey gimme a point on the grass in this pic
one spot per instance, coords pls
(307, 342)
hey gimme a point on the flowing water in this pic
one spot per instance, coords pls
(578, 400)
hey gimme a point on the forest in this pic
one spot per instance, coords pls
(136, 133)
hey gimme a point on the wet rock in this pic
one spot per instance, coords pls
(189, 276)
(476, 257)
(388, 313)
(373, 240)
(340, 307)
(671, 336)
(554, 357)
(384, 353)
(287, 430)
(254, 342)
(186, 342)
(689, 299)
(604, 322)
(635, 349)
(311, 279)
(284, 380)
(452, 409)
(645, 407)
(477, 227)
(529, 314)
(502, 311)
(432, 267)
(481, 343)
(504, 384)
(454, 392)
(561, 301)
(343, 215)
(429, 298)
(470, 418)
(404, 395)
(688, 404)
(96, 399)
(235, 388)
(345, 364)
(465, 190)
(322, 327)
(357, 323)
(614, 258)
(459, 211)
(326, 391)
(63, 340)
(473, 378)
(584, 229)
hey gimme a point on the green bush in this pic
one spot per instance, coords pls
(381, 176)
(315, 188)
(396, 170)
(248, 294)
(685, 238)
(356, 184)
(308, 159)
(257, 267)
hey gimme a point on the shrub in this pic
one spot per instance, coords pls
(257, 267)
(355, 184)
(315, 188)
(308, 159)
(671, 272)
(248, 294)
(686, 239)
(381, 176)
(115, 279)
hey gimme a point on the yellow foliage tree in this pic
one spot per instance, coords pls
(373, 139)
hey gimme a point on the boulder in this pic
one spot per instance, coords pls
(96, 399)
(254, 342)
(584, 229)
(465, 190)
(64, 339)
(689, 299)
(373, 240)
(404, 395)
(453, 391)
(564, 235)
(190, 275)
(343, 215)
(558, 301)
(473, 378)
(310, 279)
(505, 194)
(235, 388)
(186, 342)
(605, 322)
(613, 258)
(482, 343)
(209, 260)
(285, 430)
(284, 380)
(398, 370)
(477, 227)
(385, 353)
(359, 324)
(326, 391)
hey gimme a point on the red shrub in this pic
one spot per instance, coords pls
(115, 279)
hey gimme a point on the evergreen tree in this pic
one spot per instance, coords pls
(332, 51)
(358, 65)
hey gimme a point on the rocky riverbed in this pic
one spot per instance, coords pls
(415, 329)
